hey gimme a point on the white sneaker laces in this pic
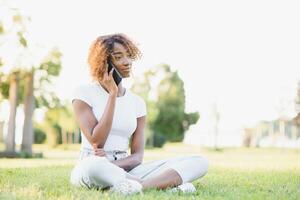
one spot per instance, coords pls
(185, 188)
(127, 187)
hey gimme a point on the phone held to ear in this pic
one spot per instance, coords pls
(116, 75)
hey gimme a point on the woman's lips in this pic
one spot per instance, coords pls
(126, 70)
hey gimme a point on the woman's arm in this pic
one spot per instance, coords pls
(95, 132)
(137, 148)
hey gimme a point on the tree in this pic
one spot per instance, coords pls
(66, 122)
(59, 121)
(28, 73)
(166, 117)
(50, 67)
(172, 121)
(297, 106)
(27, 138)
(13, 100)
(12, 36)
(142, 87)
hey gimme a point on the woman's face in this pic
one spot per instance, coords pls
(121, 59)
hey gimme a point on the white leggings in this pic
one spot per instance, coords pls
(94, 171)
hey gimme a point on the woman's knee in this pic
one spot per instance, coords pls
(75, 176)
(101, 172)
(202, 163)
(191, 167)
(94, 165)
(84, 173)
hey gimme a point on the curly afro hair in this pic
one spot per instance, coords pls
(102, 47)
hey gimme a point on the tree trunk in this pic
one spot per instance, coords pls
(70, 139)
(64, 136)
(77, 136)
(13, 101)
(27, 139)
(51, 136)
(281, 128)
(1, 131)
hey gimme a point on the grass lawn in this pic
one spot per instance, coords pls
(233, 174)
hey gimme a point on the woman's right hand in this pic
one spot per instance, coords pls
(108, 81)
(98, 151)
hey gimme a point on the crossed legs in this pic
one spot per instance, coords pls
(99, 172)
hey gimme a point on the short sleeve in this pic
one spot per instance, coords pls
(141, 109)
(81, 93)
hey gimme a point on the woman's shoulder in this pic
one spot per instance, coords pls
(135, 96)
(85, 87)
(140, 104)
(83, 92)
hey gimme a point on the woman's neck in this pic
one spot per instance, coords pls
(121, 90)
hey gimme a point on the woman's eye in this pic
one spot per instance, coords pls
(120, 57)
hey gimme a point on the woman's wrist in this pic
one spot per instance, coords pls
(113, 94)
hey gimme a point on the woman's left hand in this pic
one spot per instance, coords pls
(99, 151)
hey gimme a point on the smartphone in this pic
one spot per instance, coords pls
(116, 74)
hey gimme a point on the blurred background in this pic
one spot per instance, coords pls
(214, 74)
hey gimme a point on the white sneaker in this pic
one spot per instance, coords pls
(127, 187)
(185, 188)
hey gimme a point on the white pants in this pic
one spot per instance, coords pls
(99, 172)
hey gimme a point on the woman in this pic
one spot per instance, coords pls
(110, 115)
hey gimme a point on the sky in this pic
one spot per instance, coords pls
(242, 56)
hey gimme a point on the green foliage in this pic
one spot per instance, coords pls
(24, 154)
(63, 116)
(166, 114)
(43, 75)
(57, 119)
(1, 28)
(52, 63)
(47, 70)
(158, 139)
(44, 72)
(190, 118)
(170, 103)
(4, 88)
(5, 83)
(39, 136)
(22, 39)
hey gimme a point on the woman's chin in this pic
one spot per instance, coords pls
(125, 75)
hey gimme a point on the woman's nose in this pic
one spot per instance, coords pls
(127, 62)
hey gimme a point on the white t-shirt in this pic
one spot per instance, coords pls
(127, 109)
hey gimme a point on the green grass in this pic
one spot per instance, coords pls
(233, 174)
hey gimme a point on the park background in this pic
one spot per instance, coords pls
(220, 78)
